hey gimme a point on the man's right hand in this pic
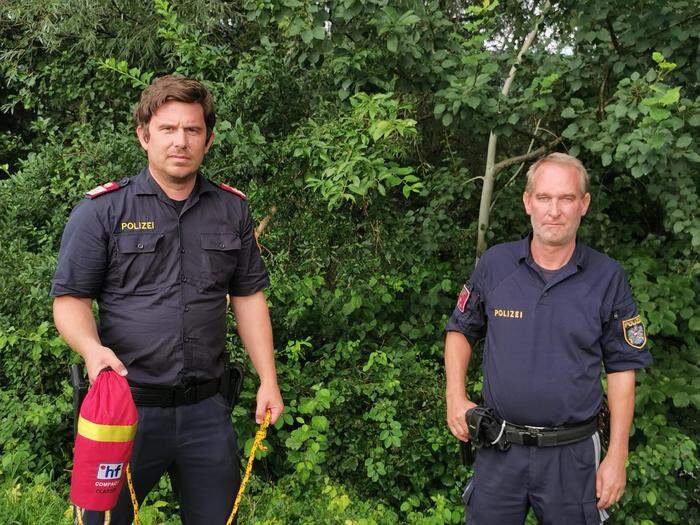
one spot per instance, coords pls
(457, 406)
(100, 358)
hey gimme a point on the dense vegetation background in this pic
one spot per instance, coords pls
(365, 123)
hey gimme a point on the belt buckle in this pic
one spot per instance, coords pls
(532, 435)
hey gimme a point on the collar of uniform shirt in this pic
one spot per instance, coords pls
(145, 184)
(578, 257)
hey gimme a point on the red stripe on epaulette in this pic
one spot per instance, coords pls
(102, 189)
(233, 190)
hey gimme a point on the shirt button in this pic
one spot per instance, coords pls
(140, 246)
(545, 294)
(182, 250)
(187, 339)
(187, 308)
(183, 278)
(222, 245)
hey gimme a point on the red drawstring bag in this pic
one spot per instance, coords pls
(103, 443)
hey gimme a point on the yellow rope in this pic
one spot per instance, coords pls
(79, 514)
(132, 493)
(257, 444)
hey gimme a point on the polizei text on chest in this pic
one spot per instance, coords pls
(514, 314)
(138, 225)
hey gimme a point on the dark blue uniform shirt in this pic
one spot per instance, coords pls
(545, 341)
(161, 277)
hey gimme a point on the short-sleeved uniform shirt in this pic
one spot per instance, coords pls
(161, 277)
(546, 340)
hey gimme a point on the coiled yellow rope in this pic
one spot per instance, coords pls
(257, 444)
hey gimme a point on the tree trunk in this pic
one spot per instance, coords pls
(490, 172)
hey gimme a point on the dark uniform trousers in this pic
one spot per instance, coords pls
(557, 482)
(196, 445)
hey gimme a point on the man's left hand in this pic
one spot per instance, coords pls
(610, 481)
(269, 397)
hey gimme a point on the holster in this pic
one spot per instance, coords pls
(80, 389)
(485, 428)
(231, 383)
(485, 431)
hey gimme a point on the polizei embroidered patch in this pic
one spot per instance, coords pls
(463, 298)
(634, 331)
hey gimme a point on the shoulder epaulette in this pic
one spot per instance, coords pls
(233, 190)
(106, 188)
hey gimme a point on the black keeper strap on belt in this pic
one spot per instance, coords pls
(171, 396)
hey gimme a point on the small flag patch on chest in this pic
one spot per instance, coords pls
(463, 298)
(634, 331)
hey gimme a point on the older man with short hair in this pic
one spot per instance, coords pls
(552, 311)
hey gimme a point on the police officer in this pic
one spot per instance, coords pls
(159, 253)
(552, 310)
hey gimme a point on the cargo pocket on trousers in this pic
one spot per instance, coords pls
(467, 499)
(467, 494)
(594, 515)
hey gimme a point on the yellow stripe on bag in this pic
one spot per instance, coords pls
(106, 433)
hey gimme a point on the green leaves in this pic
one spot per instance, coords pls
(684, 141)
(352, 157)
(132, 76)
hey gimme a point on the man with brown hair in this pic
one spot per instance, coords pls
(159, 253)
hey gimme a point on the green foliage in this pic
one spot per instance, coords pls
(364, 123)
(356, 154)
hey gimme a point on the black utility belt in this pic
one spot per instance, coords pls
(489, 430)
(172, 396)
(549, 437)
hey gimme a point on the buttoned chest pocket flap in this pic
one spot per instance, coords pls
(219, 257)
(139, 263)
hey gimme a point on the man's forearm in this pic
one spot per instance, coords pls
(76, 323)
(621, 402)
(253, 319)
(458, 352)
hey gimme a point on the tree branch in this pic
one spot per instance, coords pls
(526, 156)
(613, 36)
(489, 172)
(263, 223)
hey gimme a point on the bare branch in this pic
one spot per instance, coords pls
(520, 168)
(526, 156)
(489, 172)
(613, 36)
(263, 223)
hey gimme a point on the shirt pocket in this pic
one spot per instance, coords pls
(219, 258)
(139, 259)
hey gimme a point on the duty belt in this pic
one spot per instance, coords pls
(172, 396)
(549, 436)
(489, 430)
